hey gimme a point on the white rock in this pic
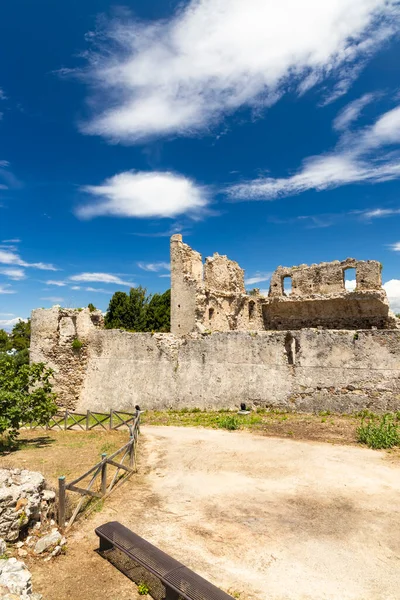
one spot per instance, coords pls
(47, 542)
(56, 551)
(3, 547)
(15, 576)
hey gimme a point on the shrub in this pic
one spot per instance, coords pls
(77, 344)
(91, 307)
(379, 434)
(25, 395)
(230, 422)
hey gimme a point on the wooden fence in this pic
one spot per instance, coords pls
(101, 475)
(66, 420)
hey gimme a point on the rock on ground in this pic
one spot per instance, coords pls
(48, 541)
(23, 501)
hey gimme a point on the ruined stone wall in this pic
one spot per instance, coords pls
(307, 370)
(52, 334)
(214, 298)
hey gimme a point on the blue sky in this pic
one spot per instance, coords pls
(267, 130)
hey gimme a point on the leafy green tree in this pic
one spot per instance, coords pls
(158, 316)
(20, 338)
(4, 340)
(91, 307)
(118, 309)
(25, 395)
(138, 311)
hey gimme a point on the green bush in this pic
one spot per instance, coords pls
(383, 433)
(25, 395)
(91, 307)
(143, 589)
(230, 422)
(77, 344)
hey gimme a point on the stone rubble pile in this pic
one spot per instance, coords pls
(24, 501)
(26, 528)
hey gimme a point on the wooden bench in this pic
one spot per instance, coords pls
(178, 582)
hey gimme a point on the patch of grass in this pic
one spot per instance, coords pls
(380, 434)
(143, 589)
(77, 344)
(230, 422)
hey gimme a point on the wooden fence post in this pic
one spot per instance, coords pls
(61, 502)
(132, 451)
(111, 418)
(104, 475)
(66, 420)
(87, 420)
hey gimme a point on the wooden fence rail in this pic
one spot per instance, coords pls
(100, 473)
(66, 420)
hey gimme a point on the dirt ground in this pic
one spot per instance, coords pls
(262, 518)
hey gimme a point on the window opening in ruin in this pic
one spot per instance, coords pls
(287, 285)
(349, 278)
(210, 313)
(251, 309)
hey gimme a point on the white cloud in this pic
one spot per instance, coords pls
(2, 95)
(165, 275)
(360, 156)
(257, 278)
(8, 324)
(53, 299)
(155, 267)
(395, 247)
(57, 283)
(214, 56)
(75, 287)
(101, 277)
(392, 289)
(13, 273)
(8, 257)
(12, 241)
(5, 289)
(352, 111)
(153, 194)
(350, 285)
(377, 213)
(97, 290)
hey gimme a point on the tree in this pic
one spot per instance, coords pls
(4, 340)
(91, 307)
(25, 395)
(138, 311)
(20, 337)
(158, 317)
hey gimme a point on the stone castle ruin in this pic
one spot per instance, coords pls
(320, 347)
(213, 296)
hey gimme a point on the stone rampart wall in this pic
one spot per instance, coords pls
(304, 370)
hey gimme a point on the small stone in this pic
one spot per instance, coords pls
(36, 596)
(3, 547)
(19, 544)
(63, 541)
(351, 387)
(56, 551)
(47, 542)
(48, 495)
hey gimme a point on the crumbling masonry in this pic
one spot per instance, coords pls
(319, 348)
(213, 297)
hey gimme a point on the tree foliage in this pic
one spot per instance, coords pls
(138, 311)
(25, 395)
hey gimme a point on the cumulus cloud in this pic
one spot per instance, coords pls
(257, 278)
(56, 283)
(352, 111)
(143, 195)
(5, 289)
(15, 274)
(102, 278)
(8, 324)
(360, 156)
(183, 74)
(154, 267)
(8, 257)
(392, 289)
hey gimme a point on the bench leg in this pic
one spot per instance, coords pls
(105, 545)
